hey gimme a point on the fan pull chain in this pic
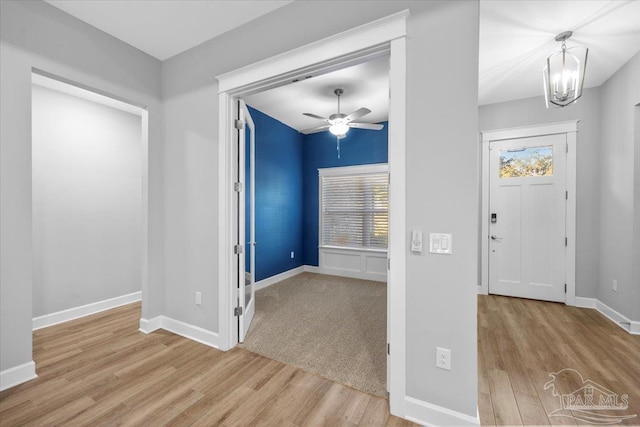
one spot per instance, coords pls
(338, 146)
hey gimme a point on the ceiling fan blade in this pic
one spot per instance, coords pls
(357, 114)
(315, 116)
(316, 130)
(370, 126)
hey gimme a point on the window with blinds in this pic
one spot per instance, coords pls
(354, 208)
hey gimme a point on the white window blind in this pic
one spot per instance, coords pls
(355, 210)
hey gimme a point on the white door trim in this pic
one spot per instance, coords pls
(386, 36)
(570, 128)
(248, 308)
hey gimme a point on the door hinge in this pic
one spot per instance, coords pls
(565, 288)
(566, 195)
(566, 147)
(388, 263)
(237, 249)
(389, 349)
(566, 241)
(237, 186)
(237, 311)
(238, 124)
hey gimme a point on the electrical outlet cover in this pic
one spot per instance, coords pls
(443, 358)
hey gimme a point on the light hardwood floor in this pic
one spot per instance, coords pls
(520, 342)
(100, 370)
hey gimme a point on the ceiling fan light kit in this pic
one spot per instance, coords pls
(339, 124)
(563, 75)
(339, 128)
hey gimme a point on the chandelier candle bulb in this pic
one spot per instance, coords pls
(563, 76)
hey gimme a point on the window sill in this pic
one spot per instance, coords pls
(345, 248)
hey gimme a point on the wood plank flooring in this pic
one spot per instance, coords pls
(100, 370)
(520, 342)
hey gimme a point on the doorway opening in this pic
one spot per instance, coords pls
(529, 212)
(320, 219)
(89, 181)
(383, 37)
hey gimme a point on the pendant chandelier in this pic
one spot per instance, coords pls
(564, 73)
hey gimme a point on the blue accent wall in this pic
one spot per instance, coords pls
(279, 209)
(360, 147)
(287, 165)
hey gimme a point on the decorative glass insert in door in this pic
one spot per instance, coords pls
(526, 162)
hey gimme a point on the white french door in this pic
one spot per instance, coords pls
(246, 221)
(527, 217)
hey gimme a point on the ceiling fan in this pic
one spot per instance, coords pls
(339, 123)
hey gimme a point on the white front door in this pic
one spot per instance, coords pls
(246, 221)
(527, 217)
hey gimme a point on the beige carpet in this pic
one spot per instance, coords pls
(331, 326)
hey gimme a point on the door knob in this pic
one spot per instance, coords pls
(496, 238)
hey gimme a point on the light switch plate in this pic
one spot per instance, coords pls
(440, 243)
(416, 241)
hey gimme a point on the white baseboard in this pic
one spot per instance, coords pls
(617, 318)
(84, 310)
(428, 414)
(312, 269)
(194, 333)
(611, 314)
(343, 273)
(583, 302)
(17, 375)
(149, 325)
(261, 284)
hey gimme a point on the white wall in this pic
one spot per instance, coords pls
(441, 135)
(87, 201)
(635, 315)
(35, 34)
(620, 94)
(532, 111)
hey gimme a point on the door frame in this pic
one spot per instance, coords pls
(245, 115)
(568, 128)
(383, 37)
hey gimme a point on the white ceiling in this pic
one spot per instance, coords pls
(515, 38)
(365, 85)
(164, 28)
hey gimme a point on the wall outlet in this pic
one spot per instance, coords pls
(614, 285)
(293, 254)
(443, 358)
(198, 298)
